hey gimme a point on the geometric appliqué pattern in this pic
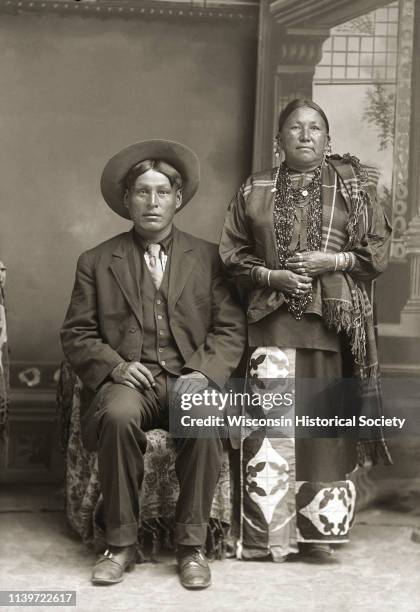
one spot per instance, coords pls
(267, 479)
(325, 511)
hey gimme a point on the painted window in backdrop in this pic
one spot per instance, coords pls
(363, 81)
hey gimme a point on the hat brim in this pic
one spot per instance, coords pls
(179, 156)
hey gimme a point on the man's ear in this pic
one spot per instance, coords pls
(125, 198)
(178, 198)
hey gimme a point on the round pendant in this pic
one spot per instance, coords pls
(304, 192)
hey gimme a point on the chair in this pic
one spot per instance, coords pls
(158, 493)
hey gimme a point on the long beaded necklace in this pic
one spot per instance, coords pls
(286, 199)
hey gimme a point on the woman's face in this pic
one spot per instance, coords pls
(303, 138)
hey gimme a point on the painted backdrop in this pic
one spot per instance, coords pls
(76, 90)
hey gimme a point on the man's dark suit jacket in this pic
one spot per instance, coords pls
(103, 325)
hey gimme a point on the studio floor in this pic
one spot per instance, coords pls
(379, 570)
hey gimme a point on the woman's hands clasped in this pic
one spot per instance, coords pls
(296, 279)
(311, 263)
(296, 285)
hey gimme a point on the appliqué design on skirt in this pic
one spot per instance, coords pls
(325, 511)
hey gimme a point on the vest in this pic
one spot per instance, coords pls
(159, 351)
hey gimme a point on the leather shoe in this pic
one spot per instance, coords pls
(317, 552)
(194, 570)
(110, 567)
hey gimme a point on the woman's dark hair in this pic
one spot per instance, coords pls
(159, 165)
(301, 103)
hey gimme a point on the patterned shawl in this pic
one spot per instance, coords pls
(344, 303)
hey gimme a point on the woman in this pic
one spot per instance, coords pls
(304, 240)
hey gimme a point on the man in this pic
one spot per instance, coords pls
(150, 306)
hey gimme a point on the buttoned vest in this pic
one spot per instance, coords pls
(159, 350)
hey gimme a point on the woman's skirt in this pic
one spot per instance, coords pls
(294, 472)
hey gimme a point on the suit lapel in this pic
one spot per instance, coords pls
(127, 273)
(182, 263)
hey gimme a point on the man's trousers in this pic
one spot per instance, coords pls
(114, 426)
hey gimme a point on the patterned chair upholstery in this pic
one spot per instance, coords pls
(158, 493)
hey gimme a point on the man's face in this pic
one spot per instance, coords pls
(152, 203)
(303, 138)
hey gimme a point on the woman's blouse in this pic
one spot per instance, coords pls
(280, 328)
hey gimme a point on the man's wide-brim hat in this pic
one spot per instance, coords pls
(175, 154)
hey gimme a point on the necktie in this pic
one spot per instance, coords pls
(153, 257)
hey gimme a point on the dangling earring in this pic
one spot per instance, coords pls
(327, 150)
(276, 150)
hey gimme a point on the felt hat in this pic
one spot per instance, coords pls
(177, 155)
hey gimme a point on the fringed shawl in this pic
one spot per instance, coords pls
(345, 304)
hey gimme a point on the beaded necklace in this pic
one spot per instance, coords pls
(286, 199)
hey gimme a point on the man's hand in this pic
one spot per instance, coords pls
(191, 383)
(311, 263)
(133, 374)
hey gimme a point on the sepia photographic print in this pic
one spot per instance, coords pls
(210, 305)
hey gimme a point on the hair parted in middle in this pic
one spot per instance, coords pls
(301, 103)
(159, 165)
